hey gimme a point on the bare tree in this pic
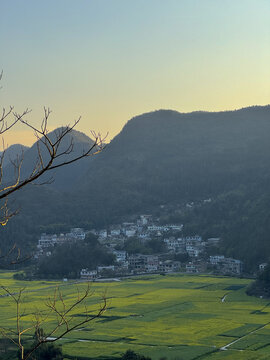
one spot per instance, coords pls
(41, 165)
(51, 153)
(58, 309)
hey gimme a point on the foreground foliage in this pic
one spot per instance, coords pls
(48, 351)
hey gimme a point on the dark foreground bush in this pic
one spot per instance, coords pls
(131, 355)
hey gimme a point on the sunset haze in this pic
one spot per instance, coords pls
(108, 61)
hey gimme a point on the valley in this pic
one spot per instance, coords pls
(177, 316)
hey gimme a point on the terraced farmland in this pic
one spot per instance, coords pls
(175, 316)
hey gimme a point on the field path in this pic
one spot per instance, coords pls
(225, 347)
(224, 297)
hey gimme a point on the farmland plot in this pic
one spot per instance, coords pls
(175, 316)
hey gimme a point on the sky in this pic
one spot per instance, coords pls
(110, 60)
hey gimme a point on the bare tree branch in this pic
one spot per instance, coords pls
(51, 146)
(52, 153)
(57, 308)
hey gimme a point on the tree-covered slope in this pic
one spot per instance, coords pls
(12, 152)
(166, 157)
(64, 177)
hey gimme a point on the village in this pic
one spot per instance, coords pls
(188, 254)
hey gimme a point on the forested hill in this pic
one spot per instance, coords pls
(166, 157)
(64, 177)
(12, 152)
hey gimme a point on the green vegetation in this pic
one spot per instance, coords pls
(135, 245)
(48, 351)
(165, 157)
(131, 355)
(173, 316)
(67, 260)
(261, 287)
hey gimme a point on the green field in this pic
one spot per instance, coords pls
(173, 316)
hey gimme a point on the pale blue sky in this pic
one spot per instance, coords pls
(109, 60)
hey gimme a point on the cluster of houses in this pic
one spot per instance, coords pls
(192, 245)
(142, 264)
(47, 242)
(217, 263)
(226, 265)
(145, 229)
(132, 264)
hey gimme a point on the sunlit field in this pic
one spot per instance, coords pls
(172, 316)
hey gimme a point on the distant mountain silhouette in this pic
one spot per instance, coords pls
(12, 152)
(167, 157)
(64, 177)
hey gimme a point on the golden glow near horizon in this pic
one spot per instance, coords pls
(110, 61)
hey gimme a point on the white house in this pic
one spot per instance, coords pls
(77, 233)
(216, 259)
(158, 228)
(175, 227)
(191, 268)
(145, 219)
(168, 266)
(262, 266)
(103, 233)
(88, 274)
(213, 241)
(193, 239)
(104, 268)
(193, 251)
(120, 255)
(47, 241)
(115, 232)
(130, 232)
(177, 245)
(232, 266)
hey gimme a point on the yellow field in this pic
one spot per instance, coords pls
(173, 316)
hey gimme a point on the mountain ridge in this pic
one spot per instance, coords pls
(166, 157)
(12, 152)
(63, 177)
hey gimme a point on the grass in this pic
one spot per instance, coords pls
(172, 316)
